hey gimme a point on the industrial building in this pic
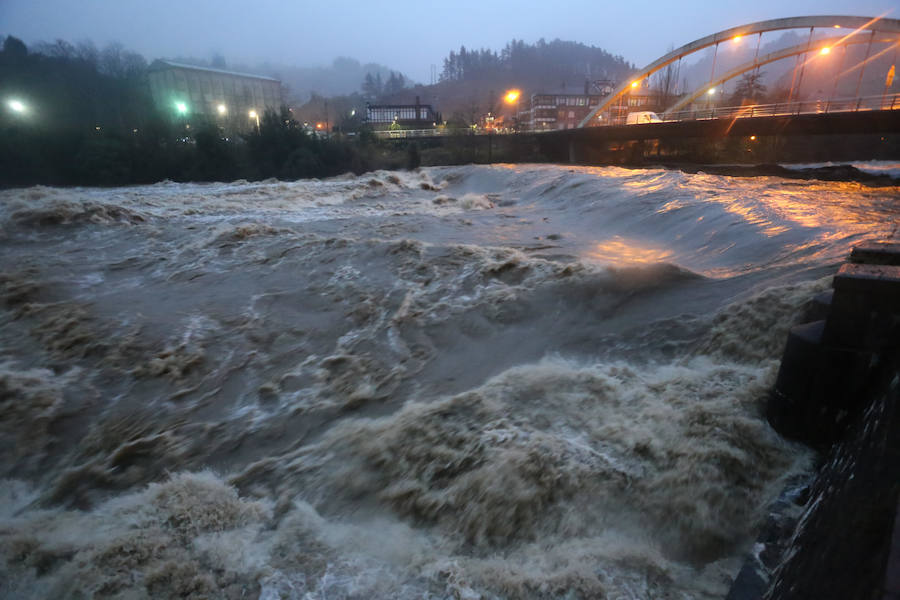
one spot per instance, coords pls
(236, 101)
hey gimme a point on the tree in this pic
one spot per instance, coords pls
(14, 47)
(665, 82)
(58, 49)
(87, 51)
(368, 86)
(395, 84)
(749, 88)
(372, 86)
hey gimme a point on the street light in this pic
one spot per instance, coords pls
(254, 115)
(824, 50)
(17, 106)
(711, 92)
(181, 107)
(512, 96)
(222, 110)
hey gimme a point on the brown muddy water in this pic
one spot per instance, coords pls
(505, 381)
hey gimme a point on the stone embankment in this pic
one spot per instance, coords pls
(838, 390)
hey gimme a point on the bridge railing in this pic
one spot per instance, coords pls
(821, 106)
(416, 133)
(800, 107)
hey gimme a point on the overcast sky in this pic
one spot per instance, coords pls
(409, 35)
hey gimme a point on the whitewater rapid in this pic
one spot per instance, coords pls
(508, 381)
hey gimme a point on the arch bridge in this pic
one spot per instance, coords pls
(864, 30)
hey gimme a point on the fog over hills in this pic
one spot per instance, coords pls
(343, 76)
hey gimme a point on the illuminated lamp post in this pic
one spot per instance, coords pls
(710, 93)
(222, 111)
(512, 97)
(255, 116)
(182, 109)
(635, 87)
(17, 106)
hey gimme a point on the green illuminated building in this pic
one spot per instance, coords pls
(236, 101)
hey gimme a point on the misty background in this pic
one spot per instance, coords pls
(328, 48)
(81, 71)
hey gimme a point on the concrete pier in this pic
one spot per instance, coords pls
(838, 390)
(828, 364)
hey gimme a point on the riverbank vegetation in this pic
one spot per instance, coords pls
(75, 115)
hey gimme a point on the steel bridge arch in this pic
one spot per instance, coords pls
(875, 24)
(830, 43)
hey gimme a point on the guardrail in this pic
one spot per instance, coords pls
(801, 107)
(866, 103)
(415, 133)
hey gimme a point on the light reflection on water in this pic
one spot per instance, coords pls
(624, 251)
(278, 340)
(716, 225)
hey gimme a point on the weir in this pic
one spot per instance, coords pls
(836, 136)
(838, 390)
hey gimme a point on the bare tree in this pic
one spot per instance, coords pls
(87, 51)
(57, 49)
(118, 62)
(665, 83)
(749, 88)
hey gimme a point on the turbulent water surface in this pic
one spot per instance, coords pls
(468, 382)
